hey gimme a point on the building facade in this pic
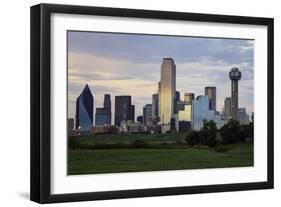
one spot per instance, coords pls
(155, 104)
(201, 112)
(84, 110)
(147, 115)
(186, 114)
(211, 92)
(188, 97)
(167, 93)
(103, 115)
(243, 117)
(124, 110)
(227, 108)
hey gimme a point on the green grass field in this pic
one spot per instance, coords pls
(91, 161)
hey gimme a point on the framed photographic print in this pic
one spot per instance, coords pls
(133, 103)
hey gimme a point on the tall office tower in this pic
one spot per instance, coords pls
(107, 101)
(84, 110)
(227, 108)
(188, 97)
(124, 111)
(155, 100)
(212, 94)
(132, 113)
(167, 92)
(103, 115)
(147, 115)
(177, 100)
(235, 76)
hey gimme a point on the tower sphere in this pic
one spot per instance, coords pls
(235, 74)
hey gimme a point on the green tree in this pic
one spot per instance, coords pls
(192, 138)
(231, 132)
(208, 134)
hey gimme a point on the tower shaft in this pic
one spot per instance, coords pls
(234, 99)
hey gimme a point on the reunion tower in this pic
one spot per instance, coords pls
(235, 76)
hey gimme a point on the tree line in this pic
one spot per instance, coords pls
(232, 132)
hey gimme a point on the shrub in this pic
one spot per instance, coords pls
(221, 148)
(192, 138)
(73, 143)
(140, 144)
(208, 134)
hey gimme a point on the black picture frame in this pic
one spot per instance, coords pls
(41, 96)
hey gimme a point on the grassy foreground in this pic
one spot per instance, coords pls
(91, 161)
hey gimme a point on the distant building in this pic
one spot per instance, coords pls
(186, 113)
(167, 93)
(155, 104)
(103, 115)
(140, 119)
(106, 129)
(184, 126)
(70, 124)
(84, 110)
(243, 117)
(188, 97)
(211, 92)
(147, 115)
(201, 112)
(227, 108)
(177, 100)
(124, 110)
(180, 106)
(235, 76)
(107, 101)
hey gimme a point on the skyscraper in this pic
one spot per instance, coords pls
(103, 115)
(235, 76)
(84, 110)
(167, 92)
(147, 115)
(155, 100)
(107, 101)
(124, 111)
(188, 97)
(212, 94)
(177, 100)
(227, 108)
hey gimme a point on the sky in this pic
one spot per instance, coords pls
(129, 64)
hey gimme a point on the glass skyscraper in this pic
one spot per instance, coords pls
(167, 93)
(84, 110)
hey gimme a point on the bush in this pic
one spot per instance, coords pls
(208, 134)
(73, 143)
(221, 148)
(140, 144)
(192, 138)
(231, 132)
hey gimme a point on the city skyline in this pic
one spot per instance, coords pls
(114, 71)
